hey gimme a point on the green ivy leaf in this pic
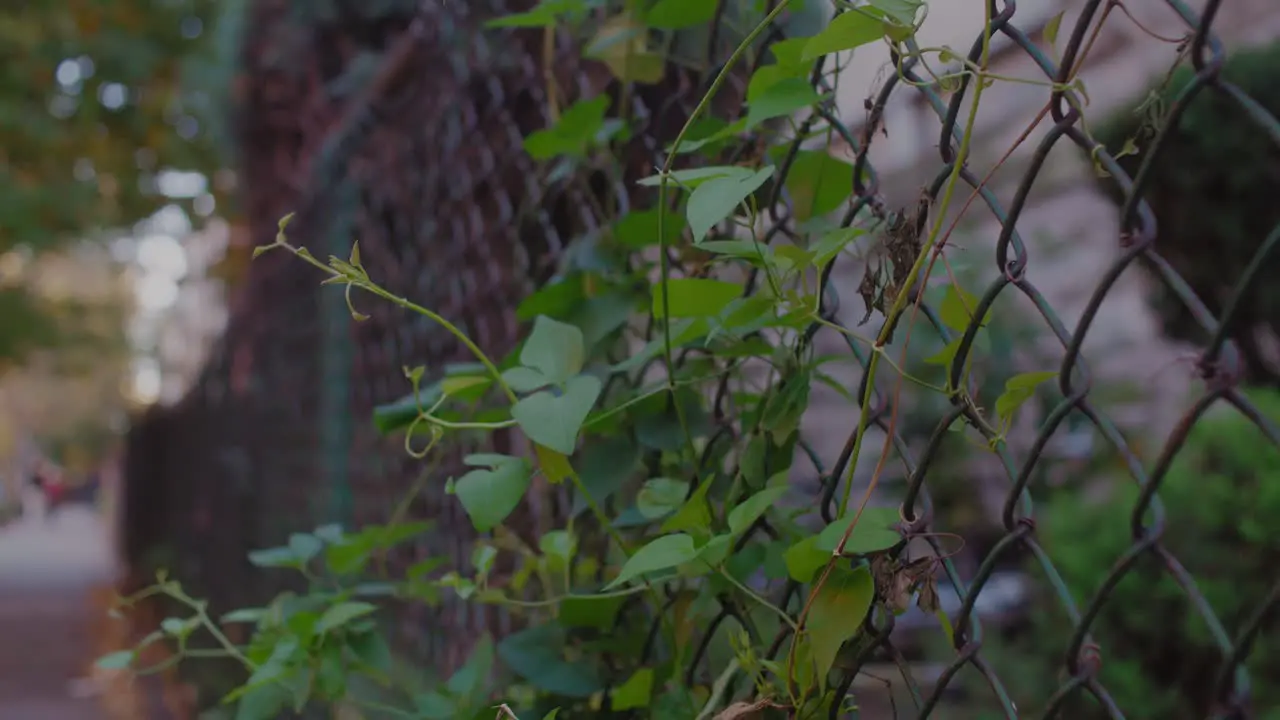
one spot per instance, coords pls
(709, 556)
(263, 702)
(558, 544)
(605, 464)
(709, 135)
(489, 494)
(694, 516)
(902, 12)
(555, 466)
(874, 532)
(745, 513)
(779, 99)
(536, 654)
(599, 613)
(457, 385)
(660, 497)
(694, 297)
(676, 701)
(762, 80)
(678, 14)
(554, 420)
(662, 553)
(1051, 29)
(957, 308)
(638, 689)
(603, 314)
(745, 249)
(524, 379)
(789, 55)
(271, 670)
(341, 614)
(578, 128)
(621, 44)
(555, 349)
(684, 331)
(546, 14)
(243, 615)
(693, 178)
(1018, 389)
(833, 243)
(118, 660)
(804, 559)
(330, 533)
(781, 415)
(837, 613)
(639, 229)
(372, 650)
(946, 355)
(274, 557)
(305, 546)
(555, 299)
(432, 705)
(849, 30)
(469, 681)
(818, 183)
(717, 198)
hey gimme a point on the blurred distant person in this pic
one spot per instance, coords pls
(58, 493)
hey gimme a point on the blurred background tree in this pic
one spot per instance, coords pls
(97, 108)
(1213, 190)
(109, 113)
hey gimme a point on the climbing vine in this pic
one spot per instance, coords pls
(661, 387)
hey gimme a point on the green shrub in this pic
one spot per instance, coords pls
(1221, 498)
(1212, 188)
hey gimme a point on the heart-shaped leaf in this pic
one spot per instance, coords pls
(716, 199)
(847, 31)
(837, 613)
(748, 511)
(665, 552)
(660, 497)
(554, 349)
(490, 494)
(554, 420)
(873, 533)
(694, 297)
(783, 97)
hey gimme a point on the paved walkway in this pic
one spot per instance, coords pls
(47, 571)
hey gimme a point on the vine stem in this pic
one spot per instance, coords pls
(364, 284)
(665, 176)
(356, 278)
(895, 312)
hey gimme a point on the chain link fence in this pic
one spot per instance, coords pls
(402, 128)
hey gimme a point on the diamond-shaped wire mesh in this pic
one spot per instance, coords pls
(404, 132)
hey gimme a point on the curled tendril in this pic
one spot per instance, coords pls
(437, 433)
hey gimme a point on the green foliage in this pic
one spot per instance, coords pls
(1159, 660)
(1212, 188)
(83, 155)
(661, 392)
(99, 98)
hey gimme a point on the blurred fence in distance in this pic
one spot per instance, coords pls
(404, 131)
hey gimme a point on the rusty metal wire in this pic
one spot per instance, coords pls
(424, 167)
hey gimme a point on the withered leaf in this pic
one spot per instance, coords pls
(871, 293)
(927, 598)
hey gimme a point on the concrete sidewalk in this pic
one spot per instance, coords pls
(47, 571)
